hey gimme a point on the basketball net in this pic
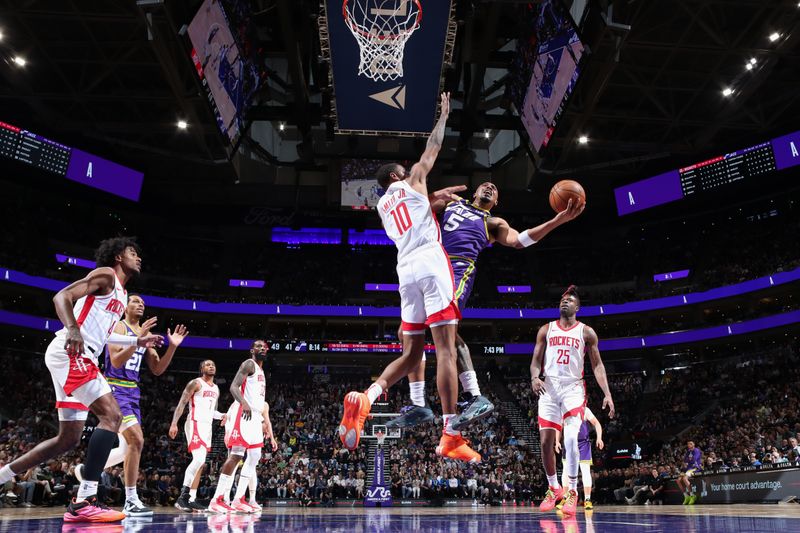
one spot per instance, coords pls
(380, 436)
(381, 29)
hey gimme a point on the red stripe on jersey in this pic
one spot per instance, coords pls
(450, 312)
(558, 323)
(411, 326)
(87, 306)
(71, 405)
(548, 424)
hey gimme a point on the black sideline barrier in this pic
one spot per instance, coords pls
(751, 485)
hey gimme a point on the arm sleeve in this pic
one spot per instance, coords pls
(122, 340)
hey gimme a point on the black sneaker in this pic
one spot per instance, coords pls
(411, 415)
(183, 503)
(196, 506)
(136, 509)
(476, 408)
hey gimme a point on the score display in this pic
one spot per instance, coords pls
(71, 163)
(777, 154)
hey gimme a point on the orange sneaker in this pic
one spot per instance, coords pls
(457, 447)
(552, 497)
(356, 410)
(570, 503)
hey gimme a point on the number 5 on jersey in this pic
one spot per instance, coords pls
(402, 218)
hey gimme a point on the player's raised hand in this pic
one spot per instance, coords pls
(149, 324)
(448, 194)
(74, 342)
(150, 341)
(176, 337)
(445, 103)
(173, 431)
(572, 211)
(608, 402)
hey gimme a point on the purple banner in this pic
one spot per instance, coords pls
(514, 288)
(373, 237)
(77, 261)
(161, 302)
(105, 175)
(666, 276)
(247, 283)
(626, 343)
(307, 235)
(651, 192)
(787, 150)
(381, 287)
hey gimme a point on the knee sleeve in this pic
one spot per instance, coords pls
(250, 462)
(198, 459)
(586, 475)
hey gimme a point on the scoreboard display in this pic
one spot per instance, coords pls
(45, 154)
(777, 154)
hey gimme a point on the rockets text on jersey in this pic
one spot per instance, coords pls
(564, 353)
(407, 218)
(203, 403)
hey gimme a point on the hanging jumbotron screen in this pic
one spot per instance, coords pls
(386, 62)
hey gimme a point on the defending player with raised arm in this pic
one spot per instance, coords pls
(89, 310)
(122, 370)
(559, 356)
(427, 295)
(467, 229)
(201, 395)
(245, 428)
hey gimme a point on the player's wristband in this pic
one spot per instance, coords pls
(525, 239)
(122, 340)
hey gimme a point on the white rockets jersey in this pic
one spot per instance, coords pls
(203, 403)
(97, 316)
(407, 218)
(254, 390)
(563, 357)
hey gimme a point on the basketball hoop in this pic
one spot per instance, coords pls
(381, 29)
(380, 436)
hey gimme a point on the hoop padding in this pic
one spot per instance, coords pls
(381, 29)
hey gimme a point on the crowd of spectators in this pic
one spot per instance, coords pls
(739, 411)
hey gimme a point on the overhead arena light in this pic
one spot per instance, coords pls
(182, 124)
(727, 91)
(583, 139)
(20, 61)
(774, 36)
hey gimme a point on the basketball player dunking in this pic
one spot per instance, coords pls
(427, 295)
(247, 423)
(201, 395)
(121, 368)
(89, 309)
(559, 351)
(467, 229)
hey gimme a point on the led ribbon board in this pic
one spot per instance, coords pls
(386, 62)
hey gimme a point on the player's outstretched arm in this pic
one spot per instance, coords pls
(420, 170)
(537, 360)
(504, 234)
(439, 199)
(267, 427)
(245, 369)
(598, 429)
(599, 369)
(100, 281)
(191, 387)
(158, 364)
(118, 354)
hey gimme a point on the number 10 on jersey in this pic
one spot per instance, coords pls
(402, 218)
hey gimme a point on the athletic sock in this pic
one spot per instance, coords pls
(469, 381)
(552, 481)
(417, 393)
(373, 392)
(192, 495)
(223, 486)
(87, 488)
(448, 428)
(6, 474)
(130, 494)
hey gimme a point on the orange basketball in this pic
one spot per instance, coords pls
(561, 193)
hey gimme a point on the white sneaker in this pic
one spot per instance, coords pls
(254, 504)
(135, 509)
(79, 472)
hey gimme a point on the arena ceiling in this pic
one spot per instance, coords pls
(114, 77)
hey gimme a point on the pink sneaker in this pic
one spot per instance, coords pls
(242, 506)
(91, 510)
(571, 503)
(552, 497)
(219, 506)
